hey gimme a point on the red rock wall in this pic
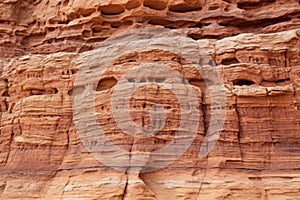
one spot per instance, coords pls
(255, 45)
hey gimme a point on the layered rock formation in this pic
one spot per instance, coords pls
(255, 45)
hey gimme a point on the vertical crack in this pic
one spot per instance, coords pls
(203, 178)
(9, 148)
(270, 126)
(205, 119)
(204, 109)
(125, 188)
(67, 183)
(205, 127)
(266, 194)
(239, 128)
(126, 172)
(3, 186)
(285, 59)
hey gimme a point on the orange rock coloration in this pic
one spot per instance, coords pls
(255, 45)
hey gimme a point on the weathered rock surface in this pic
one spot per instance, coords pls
(255, 45)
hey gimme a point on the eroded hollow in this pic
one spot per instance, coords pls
(86, 12)
(214, 7)
(286, 80)
(162, 22)
(182, 8)
(229, 61)
(246, 5)
(132, 4)
(106, 83)
(155, 4)
(242, 82)
(196, 82)
(5, 93)
(112, 10)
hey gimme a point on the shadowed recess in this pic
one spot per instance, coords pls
(112, 10)
(106, 83)
(242, 82)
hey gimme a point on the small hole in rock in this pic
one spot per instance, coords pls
(87, 12)
(52, 91)
(51, 29)
(112, 10)
(73, 16)
(37, 92)
(182, 8)
(229, 61)
(158, 21)
(5, 94)
(160, 80)
(243, 82)
(214, 7)
(131, 80)
(96, 29)
(132, 4)
(246, 5)
(226, 9)
(155, 4)
(121, 23)
(106, 83)
(196, 82)
(70, 92)
(197, 25)
(283, 80)
(222, 24)
(211, 63)
(86, 33)
(143, 80)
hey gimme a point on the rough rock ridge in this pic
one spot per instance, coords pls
(255, 44)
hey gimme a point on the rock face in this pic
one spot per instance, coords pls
(255, 45)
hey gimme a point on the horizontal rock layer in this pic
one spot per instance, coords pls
(75, 26)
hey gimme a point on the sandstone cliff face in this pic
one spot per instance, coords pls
(255, 45)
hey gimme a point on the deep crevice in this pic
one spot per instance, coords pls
(239, 128)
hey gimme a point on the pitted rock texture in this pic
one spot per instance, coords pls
(75, 26)
(255, 45)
